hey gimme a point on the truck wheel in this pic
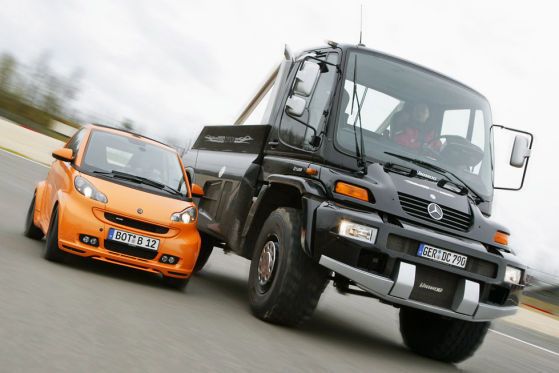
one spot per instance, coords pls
(440, 338)
(31, 230)
(52, 252)
(206, 249)
(175, 283)
(284, 283)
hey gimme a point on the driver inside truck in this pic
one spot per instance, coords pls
(411, 129)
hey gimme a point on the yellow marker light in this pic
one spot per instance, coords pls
(501, 238)
(311, 171)
(352, 191)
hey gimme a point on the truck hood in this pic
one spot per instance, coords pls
(388, 187)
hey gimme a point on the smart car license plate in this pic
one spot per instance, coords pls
(443, 256)
(133, 239)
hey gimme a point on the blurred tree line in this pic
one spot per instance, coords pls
(35, 94)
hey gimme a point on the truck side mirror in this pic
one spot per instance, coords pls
(295, 105)
(515, 161)
(520, 151)
(306, 78)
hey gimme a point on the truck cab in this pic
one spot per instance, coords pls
(376, 174)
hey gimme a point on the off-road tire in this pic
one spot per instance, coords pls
(441, 338)
(206, 249)
(31, 230)
(296, 283)
(175, 283)
(52, 252)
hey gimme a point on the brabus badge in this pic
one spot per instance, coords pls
(435, 211)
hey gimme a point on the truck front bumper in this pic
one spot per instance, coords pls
(391, 270)
(466, 305)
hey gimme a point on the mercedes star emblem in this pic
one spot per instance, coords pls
(435, 211)
(140, 211)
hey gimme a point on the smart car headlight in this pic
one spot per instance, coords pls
(88, 189)
(186, 216)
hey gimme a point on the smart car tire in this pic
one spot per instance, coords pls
(175, 283)
(285, 285)
(206, 249)
(52, 252)
(31, 230)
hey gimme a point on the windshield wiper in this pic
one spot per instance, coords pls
(140, 180)
(359, 146)
(477, 199)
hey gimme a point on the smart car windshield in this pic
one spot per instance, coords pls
(134, 160)
(408, 111)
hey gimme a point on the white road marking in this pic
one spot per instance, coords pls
(521, 341)
(27, 159)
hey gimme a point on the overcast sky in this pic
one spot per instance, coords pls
(172, 66)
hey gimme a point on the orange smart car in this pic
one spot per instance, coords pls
(121, 198)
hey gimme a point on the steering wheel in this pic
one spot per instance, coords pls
(456, 151)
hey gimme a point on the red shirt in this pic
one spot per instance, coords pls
(411, 138)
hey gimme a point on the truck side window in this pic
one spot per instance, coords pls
(295, 133)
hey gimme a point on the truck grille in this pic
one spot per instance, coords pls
(130, 250)
(142, 225)
(452, 218)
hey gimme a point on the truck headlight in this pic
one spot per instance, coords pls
(513, 275)
(186, 216)
(357, 231)
(86, 188)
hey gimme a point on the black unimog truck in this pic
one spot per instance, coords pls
(373, 173)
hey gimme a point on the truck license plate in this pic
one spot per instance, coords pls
(133, 239)
(443, 256)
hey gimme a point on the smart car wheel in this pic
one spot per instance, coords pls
(31, 230)
(175, 283)
(206, 249)
(52, 252)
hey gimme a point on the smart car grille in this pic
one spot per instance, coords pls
(148, 227)
(129, 250)
(410, 247)
(452, 218)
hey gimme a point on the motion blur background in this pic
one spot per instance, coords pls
(166, 68)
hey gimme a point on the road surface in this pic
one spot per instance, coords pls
(92, 316)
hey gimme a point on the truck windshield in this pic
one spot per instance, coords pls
(402, 109)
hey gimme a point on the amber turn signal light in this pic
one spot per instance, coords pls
(352, 191)
(501, 238)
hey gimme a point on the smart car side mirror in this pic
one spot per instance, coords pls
(197, 190)
(63, 154)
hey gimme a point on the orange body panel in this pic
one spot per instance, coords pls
(78, 214)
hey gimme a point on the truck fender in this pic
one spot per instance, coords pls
(309, 194)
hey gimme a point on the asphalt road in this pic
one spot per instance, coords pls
(92, 316)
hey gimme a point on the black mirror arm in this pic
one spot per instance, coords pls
(527, 159)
